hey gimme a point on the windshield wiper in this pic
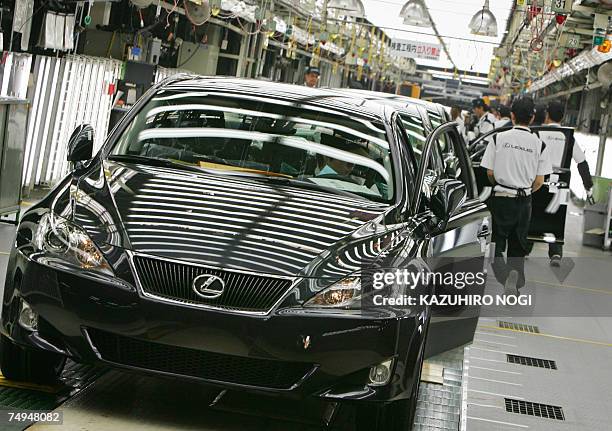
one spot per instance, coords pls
(152, 161)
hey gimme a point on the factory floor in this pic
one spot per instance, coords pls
(579, 343)
(478, 388)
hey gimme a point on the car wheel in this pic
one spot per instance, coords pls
(28, 365)
(394, 416)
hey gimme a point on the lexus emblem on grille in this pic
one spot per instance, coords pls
(208, 286)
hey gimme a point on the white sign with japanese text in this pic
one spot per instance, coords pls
(413, 49)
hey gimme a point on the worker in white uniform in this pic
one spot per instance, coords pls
(458, 118)
(486, 120)
(555, 143)
(516, 161)
(485, 124)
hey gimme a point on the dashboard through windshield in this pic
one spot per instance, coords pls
(251, 136)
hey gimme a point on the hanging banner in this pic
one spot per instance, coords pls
(414, 49)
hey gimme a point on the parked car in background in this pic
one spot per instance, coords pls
(220, 236)
(438, 114)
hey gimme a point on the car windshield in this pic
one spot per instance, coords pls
(263, 138)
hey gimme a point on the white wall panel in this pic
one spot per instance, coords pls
(162, 73)
(67, 92)
(15, 74)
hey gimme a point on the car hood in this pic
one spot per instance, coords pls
(225, 221)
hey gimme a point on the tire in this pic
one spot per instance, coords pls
(394, 416)
(29, 365)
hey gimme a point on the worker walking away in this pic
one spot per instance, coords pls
(555, 144)
(516, 163)
(458, 118)
(505, 119)
(311, 76)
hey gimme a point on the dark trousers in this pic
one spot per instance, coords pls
(511, 218)
(555, 249)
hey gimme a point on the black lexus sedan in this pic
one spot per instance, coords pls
(219, 235)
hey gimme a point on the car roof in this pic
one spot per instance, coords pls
(297, 94)
(373, 95)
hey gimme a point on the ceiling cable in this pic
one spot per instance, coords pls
(382, 27)
(444, 47)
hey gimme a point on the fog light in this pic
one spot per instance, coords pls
(28, 318)
(381, 374)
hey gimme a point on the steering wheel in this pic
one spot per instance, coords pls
(339, 177)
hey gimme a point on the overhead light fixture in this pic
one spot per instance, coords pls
(348, 7)
(483, 23)
(415, 13)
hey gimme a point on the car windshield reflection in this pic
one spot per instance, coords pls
(237, 135)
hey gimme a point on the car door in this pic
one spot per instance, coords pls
(457, 249)
(549, 204)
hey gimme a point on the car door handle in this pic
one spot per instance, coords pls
(483, 232)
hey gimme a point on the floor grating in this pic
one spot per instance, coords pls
(531, 362)
(521, 327)
(534, 409)
(439, 405)
(74, 378)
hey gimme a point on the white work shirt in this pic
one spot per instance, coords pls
(555, 145)
(516, 157)
(461, 126)
(503, 122)
(485, 124)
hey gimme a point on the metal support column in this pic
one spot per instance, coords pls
(583, 95)
(13, 122)
(242, 56)
(603, 133)
(259, 60)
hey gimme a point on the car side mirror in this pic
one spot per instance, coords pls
(80, 144)
(430, 180)
(449, 197)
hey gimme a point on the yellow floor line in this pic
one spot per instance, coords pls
(569, 286)
(556, 337)
(4, 253)
(32, 386)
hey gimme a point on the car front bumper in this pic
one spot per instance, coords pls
(292, 351)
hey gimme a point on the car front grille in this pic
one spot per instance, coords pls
(201, 364)
(243, 292)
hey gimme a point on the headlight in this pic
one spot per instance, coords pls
(345, 293)
(62, 240)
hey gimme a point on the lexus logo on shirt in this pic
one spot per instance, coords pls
(208, 286)
(518, 147)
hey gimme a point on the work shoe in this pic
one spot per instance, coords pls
(510, 285)
(555, 261)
